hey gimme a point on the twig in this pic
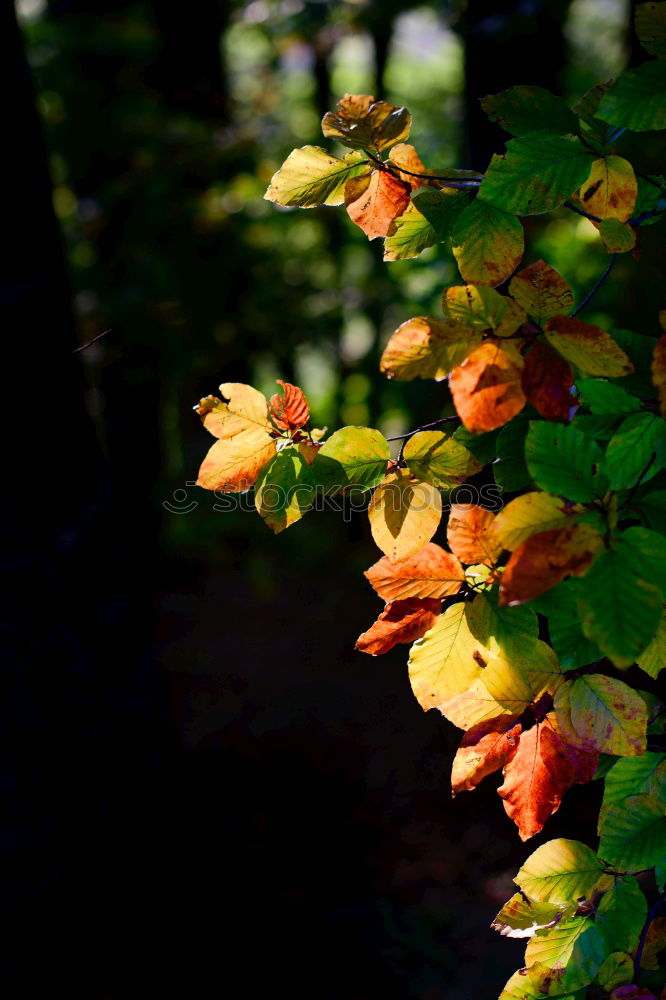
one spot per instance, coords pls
(424, 427)
(596, 286)
(580, 211)
(83, 347)
(652, 913)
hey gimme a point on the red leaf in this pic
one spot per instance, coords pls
(374, 200)
(545, 559)
(400, 621)
(485, 748)
(542, 769)
(431, 572)
(291, 411)
(547, 380)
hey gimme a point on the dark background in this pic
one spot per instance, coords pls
(207, 791)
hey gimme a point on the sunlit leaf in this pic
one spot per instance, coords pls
(233, 463)
(413, 232)
(438, 459)
(587, 346)
(633, 833)
(374, 200)
(535, 175)
(637, 99)
(561, 871)
(310, 176)
(547, 382)
(289, 410)
(610, 190)
(427, 348)
(399, 622)
(521, 986)
(485, 748)
(632, 776)
(486, 386)
(482, 308)
(404, 514)
(352, 456)
(469, 533)
(284, 489)
(521, 917)
(572, 950)
(446, 660)
(650, 22)
(606, 715)
(431, 573)
(488, 243)
(544, 559)
(363, 123)
(566, 636)
(541, 291)
(565, 462)
(244, 408)
(409, 163)
(531, 513)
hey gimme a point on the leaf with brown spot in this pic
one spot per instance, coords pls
(659, 372)
(432, 572)
(289, 412)
(532, 513)
(485, 748)
(547, 382)
(470, 535)
(610, 190)
(587, 346)
(547, 558)
(374, 200)
(487, 387)
(399, 622)
(363, 123)
(543, 768)
(424, 347)
(541, 291)
(604, 714)
(404, 514)
(483, 308)
(487, 243)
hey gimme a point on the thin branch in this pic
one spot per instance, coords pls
(85, 346)
(596, 286)
(580, 211)
(652, 913)
(424, 427)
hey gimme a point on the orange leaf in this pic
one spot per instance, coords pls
(547, 380)
(485, 748)
(374, 200)
(233, 464)
(486, 387)
(469, 533)
(405, 156)
(659, 372)
(431, 572)
(542, 769)
(541, 291)
(291, 411)
(545, 559)
(400, 621)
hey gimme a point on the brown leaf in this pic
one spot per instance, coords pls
(399, 622)
(432, 572)
(541, 291)
(469, 534)
(485, 748)
(486, 387)
(374, 200)
(547, 381)
(659, 372)
(405, 157)
(545, 559)
(290, 411)
(542, 769)
(363, 123)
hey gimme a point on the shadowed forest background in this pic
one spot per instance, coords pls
(203, 781)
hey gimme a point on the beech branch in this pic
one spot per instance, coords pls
(596, 286)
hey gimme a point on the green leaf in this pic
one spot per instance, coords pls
(576, 946)
(529, 111)
(310, 176)
(653, 510)
(605, 397)
(562, 871)
(606, 714)
(650, 199)
(616, 970)
(632, 776)
(564, 461)
(618, 610)
(645, 553)
(639, 349)
(521, 917)
(653, 658)
(353, 456)
(566, 635)
(616, 236)
(535, 176)
(650, 21)
(621, 914)
(600, 426)
(633, 833)
(284, 490)
(521, 987)
(510, 471)
(488, 244)
(438, 459)
(482, 446)
(637, 99)
(631, 448)
(427, 221)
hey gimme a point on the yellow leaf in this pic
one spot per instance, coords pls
(427, 348)
(541, 291)
(659, 372)
(532, 513)
(587, 346)
(310, 176)
(610, 190)
(653, 659)
(483, 309)
(404, 514)
(439, 459)
(233, 463)
(604, 714)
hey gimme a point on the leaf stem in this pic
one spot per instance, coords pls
(424, 427)
(596, 286)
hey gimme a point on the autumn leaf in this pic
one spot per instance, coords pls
(546, 558)
(485, 748)
(617, 237)
(604, 714)
(531, 513)
(543, 768)
(439, 460)
(351, 457)
(487, 243)
(405, 158)
(432, 572)
(521, 917)
(659, 372)
(310, 176)
(374, 200)
(427, 348)
(470, 534)
(587, 346)
(482, 308)
(547, 382)
(562, 870)
(242, 408)
(427, 220)
(289, 412)
(363, 123)
(610, 190)
(399, 622)
(541, 291)
(404, 514)
(284, 490)
(486, 387)
(245, 443)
